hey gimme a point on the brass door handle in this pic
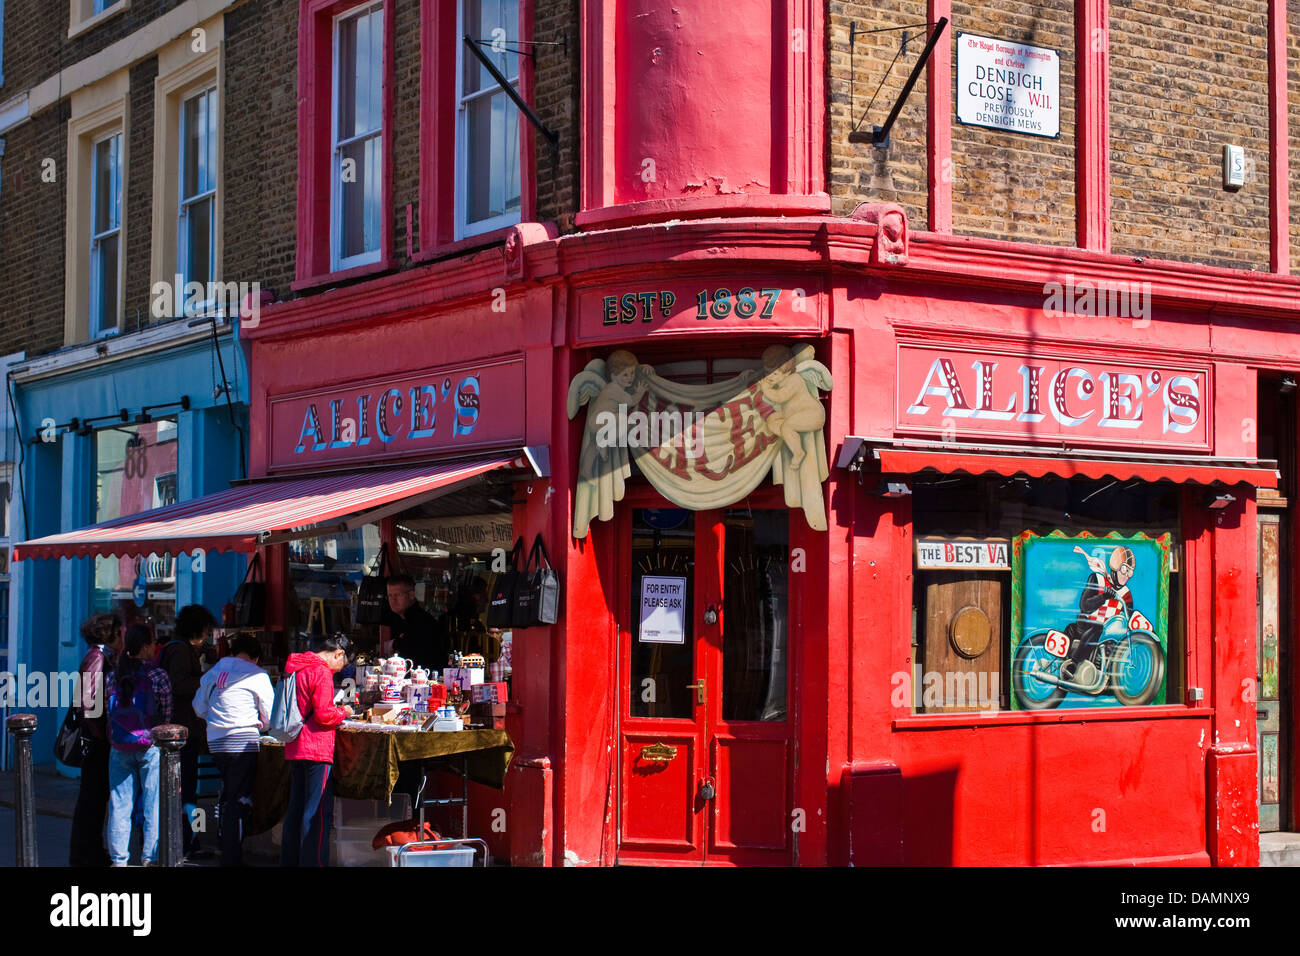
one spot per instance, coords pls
(658, 753)
(698, 687)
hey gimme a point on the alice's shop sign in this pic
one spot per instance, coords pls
(450, 408)
(964, 393)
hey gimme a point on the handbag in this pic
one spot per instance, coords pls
(538, 598)
(250, 599)
(372, 594)
(501, 602)
(68, 746)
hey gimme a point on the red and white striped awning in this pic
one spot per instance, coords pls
(902, 456)
(264, 512)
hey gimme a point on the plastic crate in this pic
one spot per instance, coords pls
(448, 853)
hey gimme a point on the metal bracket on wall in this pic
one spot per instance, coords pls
(475, 47)
(879, 135)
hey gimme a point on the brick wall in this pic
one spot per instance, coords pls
(1014, 185)
(37, 44)
(1181, 87)
(556, 81)
(32, 229)
(860, 172)
(261, 145)
(139, 196)
(1293, 103)
(406, 122)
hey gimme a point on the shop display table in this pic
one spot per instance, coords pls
(366, 765)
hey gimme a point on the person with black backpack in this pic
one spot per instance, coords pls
(139, 699)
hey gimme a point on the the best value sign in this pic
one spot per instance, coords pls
(1006, 85)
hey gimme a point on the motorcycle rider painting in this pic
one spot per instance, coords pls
(1089, 646)
(1104, 595)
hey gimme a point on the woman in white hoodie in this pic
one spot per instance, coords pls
(235, 697)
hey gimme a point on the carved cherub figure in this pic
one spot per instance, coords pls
(797, 409)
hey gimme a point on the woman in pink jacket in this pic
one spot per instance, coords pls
(306, 837)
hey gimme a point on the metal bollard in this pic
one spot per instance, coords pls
(22, 726)
(170, 739)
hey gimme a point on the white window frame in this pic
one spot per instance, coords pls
(466, 229)
(337, 261)
(83, 16)
(211, 136)
(115, 231)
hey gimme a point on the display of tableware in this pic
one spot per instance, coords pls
(393, 689)
(446, 719)
(398, 666)
(416, 693)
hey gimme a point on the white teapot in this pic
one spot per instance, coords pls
(397, 666)
(419, 676)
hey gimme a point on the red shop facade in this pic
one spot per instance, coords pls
(855, 664)
(863, 624)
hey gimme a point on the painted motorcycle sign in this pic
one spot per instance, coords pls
(959, 394)
(702, 446)
(1089, 620)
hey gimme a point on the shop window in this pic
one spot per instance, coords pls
(345, 123)
(134, 465)
(96, 220)
(326, 573)
(1036, 594)
(453, 549)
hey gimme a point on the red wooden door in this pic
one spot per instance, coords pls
(706, 723)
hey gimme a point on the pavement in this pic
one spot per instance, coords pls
(56, 796)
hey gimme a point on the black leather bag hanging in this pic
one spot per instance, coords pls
(372, 595)
(68, 745)
(501, 602)
(538, 598)
(250, 599)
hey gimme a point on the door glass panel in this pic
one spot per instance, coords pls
(1268, 708)
(662, 658)
(755, 615)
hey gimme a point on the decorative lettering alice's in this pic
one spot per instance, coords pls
(419, 412)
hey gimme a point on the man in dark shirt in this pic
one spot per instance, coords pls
(416, 635)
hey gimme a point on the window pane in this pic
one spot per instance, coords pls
(755, 615)
(660, 672)
(105, 280)
(135, 471)
(361, 199)
(360, 64)
(480, 18)
(191, 145)
(198, 239)
(491, 158)
(107, 177)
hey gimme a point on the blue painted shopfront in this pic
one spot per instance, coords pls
(60, 481)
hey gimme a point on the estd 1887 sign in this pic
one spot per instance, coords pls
(1007, 85)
